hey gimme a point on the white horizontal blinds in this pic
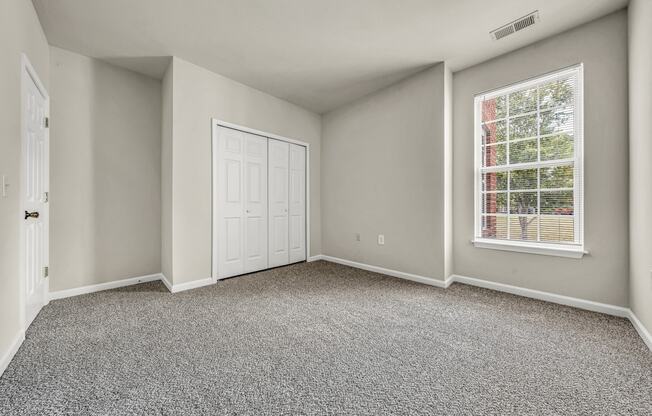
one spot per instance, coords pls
(530, 161)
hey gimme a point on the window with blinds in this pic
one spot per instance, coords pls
(528, 162)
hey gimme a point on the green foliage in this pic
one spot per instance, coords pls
(557, 147)
(522, 101)
(523, 127)
(523, 179)
(556, 94)
(557, 177)
(523, 151)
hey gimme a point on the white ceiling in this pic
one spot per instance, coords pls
(318, 54)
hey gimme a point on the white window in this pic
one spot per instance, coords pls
(528, 166)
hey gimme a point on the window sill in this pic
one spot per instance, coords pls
(570, 251)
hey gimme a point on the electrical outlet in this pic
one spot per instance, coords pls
(381, 239)
(357, 236)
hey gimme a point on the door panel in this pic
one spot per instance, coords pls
(233, 230)
(278, 203)
(297, 203)
(256, 204)
(230, 205)
(35, 179)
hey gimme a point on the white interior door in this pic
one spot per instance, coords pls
(256, 202)
(297, 233)
(230, 202)
(278, 202)
(35, 184)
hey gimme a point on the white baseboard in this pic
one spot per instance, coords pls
(167, 283)
(588, 305)
(180, 287)
(403, 275)
(13, 349)
(60, 294)
(642, 331)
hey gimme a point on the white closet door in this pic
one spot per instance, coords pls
(297, 238)
(256, 203)
(230, 209)
(278, 202)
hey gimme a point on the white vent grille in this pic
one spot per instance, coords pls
(515, 26)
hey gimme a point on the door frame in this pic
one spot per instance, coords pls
(215, 123)
(29, 74)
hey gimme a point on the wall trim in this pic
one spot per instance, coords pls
(13, 349)
(642, 331)
(60, 294)
(194, 284)
(588, 305)
(403, 275)
(167, 283)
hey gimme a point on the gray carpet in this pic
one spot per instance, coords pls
(321, 338)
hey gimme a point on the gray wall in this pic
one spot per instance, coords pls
(198, 96)
(20, 32)
(383, 173)
(105, 184)
(640, 173)
(603, 275)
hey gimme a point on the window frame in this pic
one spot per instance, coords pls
(575, 249)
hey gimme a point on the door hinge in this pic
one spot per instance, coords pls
(46, 271)
(47, 122)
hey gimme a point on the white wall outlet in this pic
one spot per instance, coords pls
(357, 236)
(381, 239)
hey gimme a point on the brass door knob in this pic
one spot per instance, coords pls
(31, 214)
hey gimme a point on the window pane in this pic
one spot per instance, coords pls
(557, 121)
(525, 197)
(494, 108)
(494, 181)
(523, 179)
(523, 227)
(557, 228)
(557, 177)
(523, 202)
(495, 155)
(494, 132)
(494, 203)
(523, 127)
(523, 151)
(557, 202)
(557, 147)
(557, 94)
(522, 101)
(494, 227)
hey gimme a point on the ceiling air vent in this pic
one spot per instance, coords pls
(515, 26)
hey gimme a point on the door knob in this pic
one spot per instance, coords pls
(31, 214)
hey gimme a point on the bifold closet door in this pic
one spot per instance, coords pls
(279, 167)
(255, 175)
(297, 238)
(241, 202)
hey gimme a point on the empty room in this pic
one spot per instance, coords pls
(343, 207)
